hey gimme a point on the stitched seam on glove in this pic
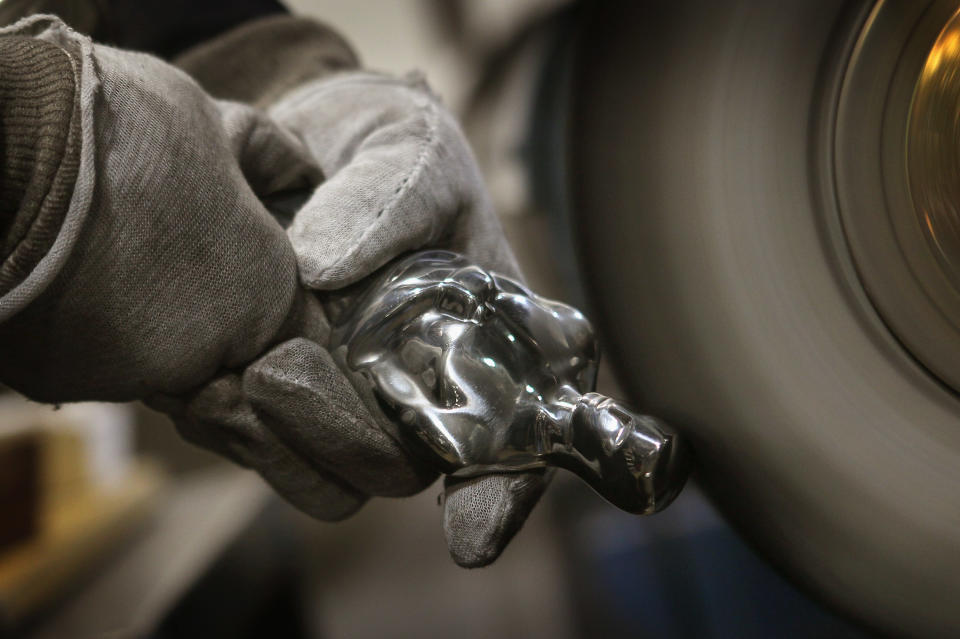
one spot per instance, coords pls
(431, 117)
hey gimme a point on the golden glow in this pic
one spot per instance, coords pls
(933, 149)
(946, 48)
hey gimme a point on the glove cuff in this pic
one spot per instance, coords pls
(39, 118)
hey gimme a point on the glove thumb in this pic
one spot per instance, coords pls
(482, 514)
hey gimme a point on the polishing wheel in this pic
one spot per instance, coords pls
(767, 211)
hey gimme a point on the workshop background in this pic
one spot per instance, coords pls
(113, 526)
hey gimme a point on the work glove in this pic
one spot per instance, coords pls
(164, 267)
(400, 176)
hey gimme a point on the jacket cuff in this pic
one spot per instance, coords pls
(39, 153)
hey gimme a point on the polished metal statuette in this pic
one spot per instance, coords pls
(485, 376)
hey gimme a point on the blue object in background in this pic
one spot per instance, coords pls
(683, 573)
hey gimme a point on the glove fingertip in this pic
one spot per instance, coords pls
(481, 515)
(321, 272)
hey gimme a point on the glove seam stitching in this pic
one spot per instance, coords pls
(427, 145)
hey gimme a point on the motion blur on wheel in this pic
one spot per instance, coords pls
(767, 210)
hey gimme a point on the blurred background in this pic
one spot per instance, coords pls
(115, 527)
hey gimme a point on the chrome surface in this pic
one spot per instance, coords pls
(485, 376)
(733, 166)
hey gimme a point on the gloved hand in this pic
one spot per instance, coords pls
(165, 271)
(161, 267)
(400, 176)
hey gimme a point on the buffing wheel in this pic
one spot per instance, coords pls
(735, 166)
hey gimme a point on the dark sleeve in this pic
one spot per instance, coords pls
(40, 149)
(260, 60)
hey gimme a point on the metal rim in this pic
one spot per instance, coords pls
(903, 276)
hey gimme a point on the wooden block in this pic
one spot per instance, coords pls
(19, 488)
(73, 538)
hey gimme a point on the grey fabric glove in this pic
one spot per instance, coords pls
(165, 267)
(400, 177)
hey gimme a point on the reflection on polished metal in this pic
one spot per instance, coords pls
(933, 152)
(488, 377)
